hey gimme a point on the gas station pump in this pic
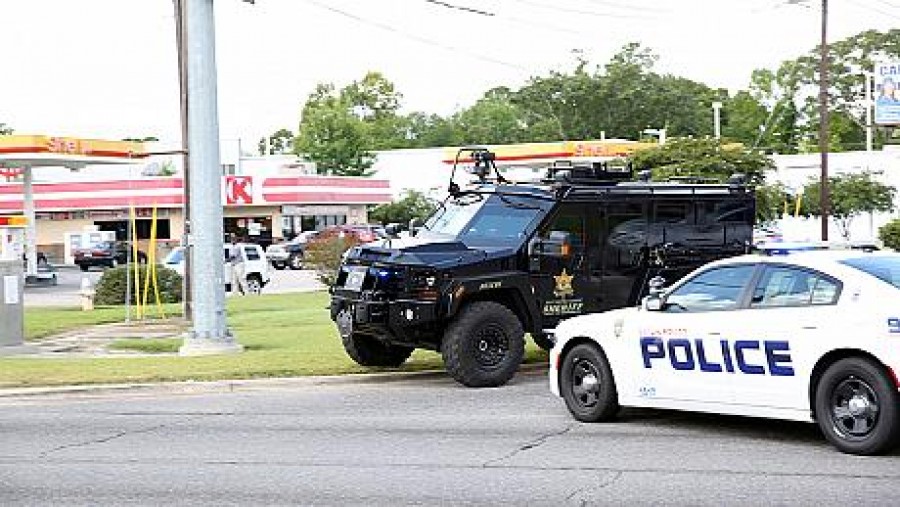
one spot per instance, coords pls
(12, 281)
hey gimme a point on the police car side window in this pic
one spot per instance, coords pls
(782, 286)
(714, 289)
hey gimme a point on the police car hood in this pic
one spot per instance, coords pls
(435, 252)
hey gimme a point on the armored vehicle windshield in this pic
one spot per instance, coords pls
(486, 220)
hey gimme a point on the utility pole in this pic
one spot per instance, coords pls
(717, 119)
(824, 201)
(209, 333)
(181, 43)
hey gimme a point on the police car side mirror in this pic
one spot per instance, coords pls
(392, 230)
(652, 303)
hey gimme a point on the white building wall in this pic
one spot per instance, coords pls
(797, 170)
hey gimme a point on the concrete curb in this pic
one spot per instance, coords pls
(230, 386)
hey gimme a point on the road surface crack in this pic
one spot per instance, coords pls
(539, 441)
(605, 482)
(105, 439)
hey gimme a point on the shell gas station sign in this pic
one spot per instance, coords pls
(533, 153)
(73, 146)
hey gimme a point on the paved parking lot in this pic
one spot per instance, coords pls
(66, 293)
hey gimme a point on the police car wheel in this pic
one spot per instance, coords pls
(484, 345)
(857, 407)
(587, 384)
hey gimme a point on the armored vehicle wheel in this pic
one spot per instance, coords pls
(857, 407)
(484, 346)
(368, 351)
(542, 340)
(587, 384)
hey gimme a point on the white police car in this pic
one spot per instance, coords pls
(809, 336)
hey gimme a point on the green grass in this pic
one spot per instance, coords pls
(284, 335)
(148, 346)
(44, 322)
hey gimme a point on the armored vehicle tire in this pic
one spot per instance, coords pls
(857, 407)
(368, 351)
(587, 384)
(542, 340)
(484, 345)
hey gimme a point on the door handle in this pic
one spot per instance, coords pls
(809, 328)
(714, 333)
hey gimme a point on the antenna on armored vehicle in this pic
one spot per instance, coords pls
(484, 164)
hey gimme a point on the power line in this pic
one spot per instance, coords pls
(460, 8)
(413, 37)
(558, 8)
(875, 9)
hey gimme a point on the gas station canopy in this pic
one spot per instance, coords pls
(24, 152)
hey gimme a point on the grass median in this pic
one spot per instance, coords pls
(284, 335)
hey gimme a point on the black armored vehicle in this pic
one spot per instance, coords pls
(499, 259)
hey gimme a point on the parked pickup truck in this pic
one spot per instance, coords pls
(248, 256)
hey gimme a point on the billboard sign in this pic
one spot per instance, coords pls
(887, 93)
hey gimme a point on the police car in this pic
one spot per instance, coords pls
(804, 336)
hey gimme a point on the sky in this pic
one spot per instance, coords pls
(108, 68)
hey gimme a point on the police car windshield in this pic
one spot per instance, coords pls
(479, 220)
(883, 267)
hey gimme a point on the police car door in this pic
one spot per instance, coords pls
(790, 310)
(685, 349)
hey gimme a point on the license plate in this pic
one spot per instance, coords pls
(355, 278)
(88, 255)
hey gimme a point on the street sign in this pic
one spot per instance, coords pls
(887, 93)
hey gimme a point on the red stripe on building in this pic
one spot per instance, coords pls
(326, 181)
(94, 186)
(25, 149)
(95, 203)
(326, 197)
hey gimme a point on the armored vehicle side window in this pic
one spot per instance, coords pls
(568, 221)
(672, 212)
(718, 212)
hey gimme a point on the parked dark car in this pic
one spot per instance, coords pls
(106, 254)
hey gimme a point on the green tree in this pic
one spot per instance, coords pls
(889, 234)
(332, 136)
(279, 143)
(850, 195)
(770, 202)
(704, 158)
(413, 204)
(492, 120)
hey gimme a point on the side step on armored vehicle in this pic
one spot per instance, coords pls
(499, 259)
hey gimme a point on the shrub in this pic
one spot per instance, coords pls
(889, 234)
(324, 255)
(112, 285)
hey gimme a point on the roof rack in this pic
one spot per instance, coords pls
(590, 173)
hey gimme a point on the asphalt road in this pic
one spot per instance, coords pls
(67, 292)
(410, 442)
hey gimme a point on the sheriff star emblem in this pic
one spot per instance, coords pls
(563, 285)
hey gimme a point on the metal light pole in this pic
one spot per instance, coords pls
(209, 334)
(824, 198)
(181, 43)
(717, 119)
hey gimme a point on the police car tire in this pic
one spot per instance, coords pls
(542, 340)
(606, 405)
(461, 342)
(884, 436)
(369, 351)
